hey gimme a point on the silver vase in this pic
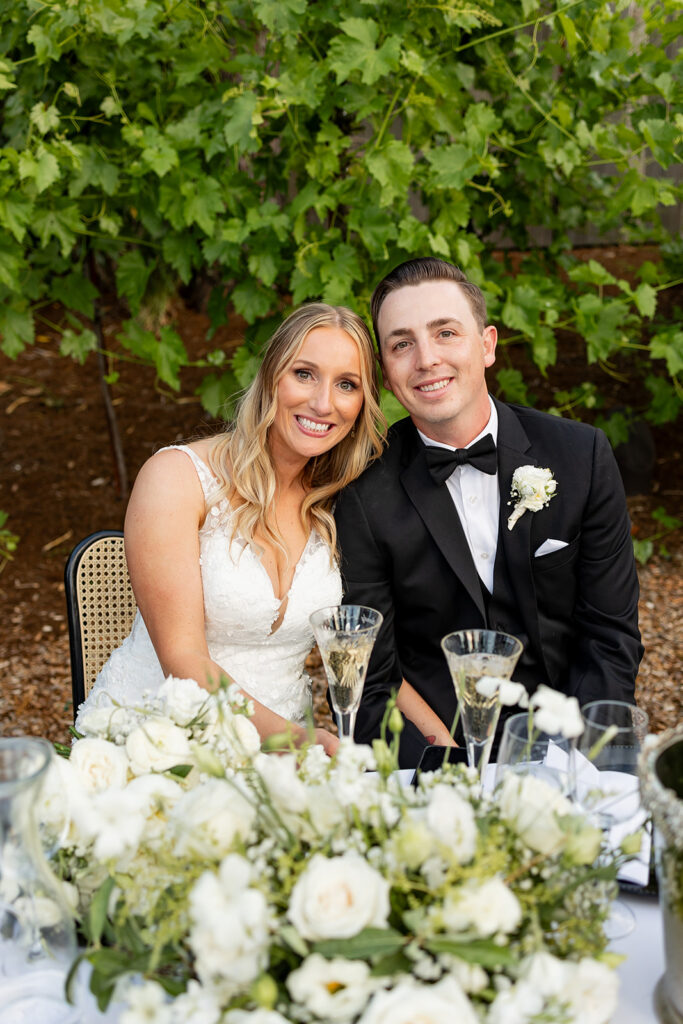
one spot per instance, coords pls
(661, 780)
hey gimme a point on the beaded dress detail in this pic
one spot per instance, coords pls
(240, 609)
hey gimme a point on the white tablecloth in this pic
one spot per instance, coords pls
(644, 964)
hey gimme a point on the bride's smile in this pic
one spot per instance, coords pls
(319, 396)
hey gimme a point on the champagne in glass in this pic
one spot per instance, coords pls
(345, 635)
(472, 654)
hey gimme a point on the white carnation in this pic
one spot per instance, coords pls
(336, 897)
(100, 764)
(157, 745)
(409, 1002)
(332, 990)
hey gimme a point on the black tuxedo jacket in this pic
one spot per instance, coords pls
(404, 553)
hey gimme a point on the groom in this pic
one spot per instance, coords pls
(426, 532)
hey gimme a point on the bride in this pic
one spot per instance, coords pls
(230, 540)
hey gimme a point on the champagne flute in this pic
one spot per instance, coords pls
(611, 740)
(472, 654)
(346, 634)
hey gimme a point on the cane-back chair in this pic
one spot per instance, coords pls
(100, 606)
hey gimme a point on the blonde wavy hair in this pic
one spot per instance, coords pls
(241, 459)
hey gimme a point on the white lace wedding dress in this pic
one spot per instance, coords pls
(240, 609)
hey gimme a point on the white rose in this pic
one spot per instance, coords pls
(451, 819)
(556, 713)
(534, 486)
(409, 1003)
(183, 699)
(332, 990)
(231, 926)
(208, 820)
(489, 908)
(336, 897)
(157, 745)
(96, 721)
(532, 808)
(100, 764)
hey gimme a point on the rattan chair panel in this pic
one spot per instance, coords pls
(105, 602)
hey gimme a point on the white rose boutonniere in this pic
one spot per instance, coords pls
(532, 488)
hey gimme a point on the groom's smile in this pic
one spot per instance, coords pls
(434, 356)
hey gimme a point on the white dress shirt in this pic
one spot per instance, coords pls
(476, 498)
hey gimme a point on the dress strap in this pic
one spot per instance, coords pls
(206, 477)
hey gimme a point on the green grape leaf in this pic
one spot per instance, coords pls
(78, 346)
(170, 356)
(668, 345)
(392, 166)
(16, 329)
(16, 214)
(203, 201)
(132, 274)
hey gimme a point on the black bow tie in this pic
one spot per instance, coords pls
(442, 461)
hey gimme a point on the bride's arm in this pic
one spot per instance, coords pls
(161, 531)
(415, 708)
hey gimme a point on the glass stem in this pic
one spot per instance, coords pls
(346, 721)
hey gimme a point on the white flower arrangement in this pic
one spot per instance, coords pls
(245, 888)
(531, 490)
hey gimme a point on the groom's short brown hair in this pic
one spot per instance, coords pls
(427, 268)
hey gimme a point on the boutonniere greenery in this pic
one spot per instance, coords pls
(532, 488)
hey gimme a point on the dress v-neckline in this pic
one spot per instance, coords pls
(281, 600)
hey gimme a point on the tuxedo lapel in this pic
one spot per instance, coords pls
(513, 452)
(435, 507)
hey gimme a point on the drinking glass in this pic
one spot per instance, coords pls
(472, 654)
(526, 750)
(37, 939)
(611, 741)
(346, 634)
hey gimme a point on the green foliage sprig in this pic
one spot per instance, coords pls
(289, 151)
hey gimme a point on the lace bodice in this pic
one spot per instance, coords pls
(240, 609)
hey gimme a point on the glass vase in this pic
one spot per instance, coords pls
(37, 939)
(661, 780)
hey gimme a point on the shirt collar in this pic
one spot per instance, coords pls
(490, 428)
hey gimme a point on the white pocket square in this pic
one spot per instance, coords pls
(548, 546)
